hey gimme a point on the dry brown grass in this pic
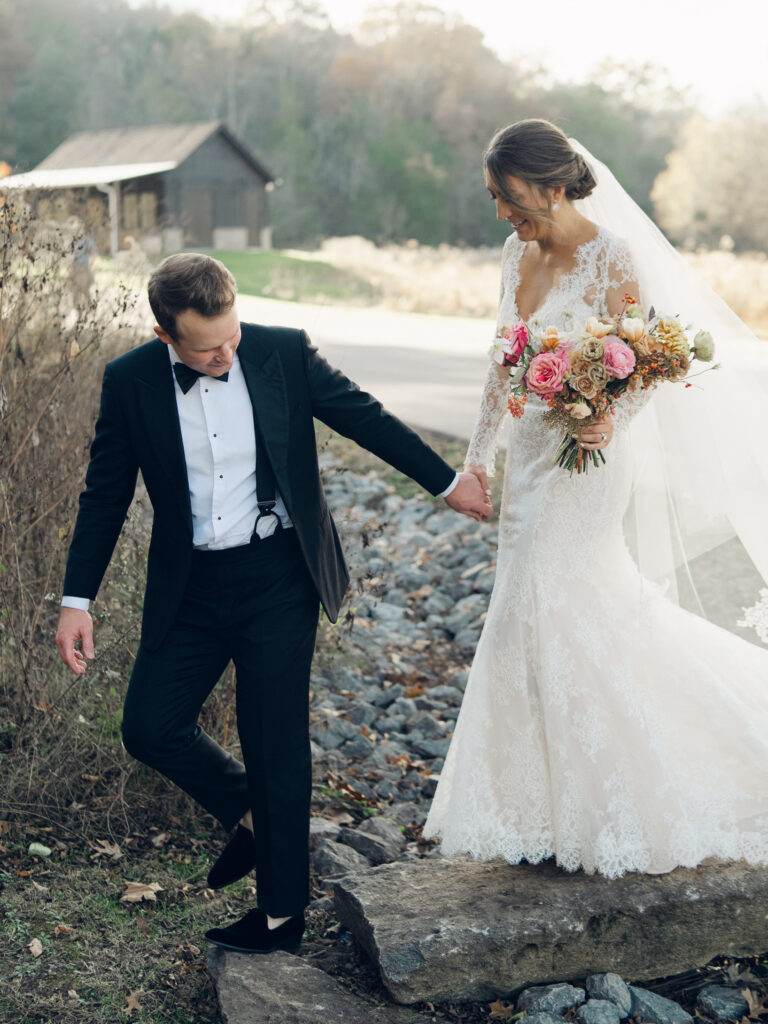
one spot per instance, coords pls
(465, 282)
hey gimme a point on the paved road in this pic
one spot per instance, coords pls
(429, 370)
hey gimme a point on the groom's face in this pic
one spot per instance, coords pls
(205, 343)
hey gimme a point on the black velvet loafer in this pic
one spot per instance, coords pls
(251, 935)
(237, 858)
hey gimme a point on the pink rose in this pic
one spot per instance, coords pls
(619, 359)
(546, 373)
(515, 338)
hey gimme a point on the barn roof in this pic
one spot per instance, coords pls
(117, 154)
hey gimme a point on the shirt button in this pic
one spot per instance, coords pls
(219, 518)
(215, 435)
(221, 476)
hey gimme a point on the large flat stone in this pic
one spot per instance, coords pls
(284, 989)
(457, 930)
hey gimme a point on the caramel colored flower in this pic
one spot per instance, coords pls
(551, 339)
(578, 410)
(597, 328)
(670, 332)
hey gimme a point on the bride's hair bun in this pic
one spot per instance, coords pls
(584, 183)
(539, 153)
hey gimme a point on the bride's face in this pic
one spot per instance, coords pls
(519, 197)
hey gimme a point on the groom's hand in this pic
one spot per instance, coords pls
(469, 498)
(75, 626)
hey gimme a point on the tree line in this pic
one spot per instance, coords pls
(378, 134)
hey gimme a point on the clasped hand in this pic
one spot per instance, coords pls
(471, 497)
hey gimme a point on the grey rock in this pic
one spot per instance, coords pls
(333, 732)
(450, 693)
(375, 849)
(656, 1009)
(429, 727)
(322, 828)
(397, 597)
(362, 713)
(331, 860)
(408, 813)
(403, 706)
(550, 998)
(432, 748)
(384, 828)
(437, 603)
(598, 1011)
(287, 989)
(429, 786)
(453, 929)
(722, 1002)
(459, 679)
(383, 697)
(542, 1018)
(359, 746)
(385, 612)
(612, 987)
(467, 639)
(390, 723)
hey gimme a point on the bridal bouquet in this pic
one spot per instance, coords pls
(582, 373)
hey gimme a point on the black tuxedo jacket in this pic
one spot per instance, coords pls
(138, 429)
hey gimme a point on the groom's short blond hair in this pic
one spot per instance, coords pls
(189, 280)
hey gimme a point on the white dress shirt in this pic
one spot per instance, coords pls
(219, 441)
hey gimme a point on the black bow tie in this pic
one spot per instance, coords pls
(186, 376)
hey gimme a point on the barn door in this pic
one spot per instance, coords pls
(197, 217)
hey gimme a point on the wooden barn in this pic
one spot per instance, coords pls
(169, 187)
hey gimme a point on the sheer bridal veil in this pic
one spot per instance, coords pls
(698, 519)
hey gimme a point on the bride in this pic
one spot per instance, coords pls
(603, 724)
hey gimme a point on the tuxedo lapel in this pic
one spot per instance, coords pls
(156, 398)
(265, 380)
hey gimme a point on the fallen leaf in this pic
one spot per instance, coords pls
(72, 993)
(74, 351)
(40, 888)
(131, 1003)
(104, 848)
(39, 850)
(35, 947)
(160, 839)
(62, 929)
(135, 892)
(502, 1010)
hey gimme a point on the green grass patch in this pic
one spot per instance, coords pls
(276, 276)
(97, 950)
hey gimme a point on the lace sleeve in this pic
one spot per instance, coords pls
(482, 446)
(629, 405)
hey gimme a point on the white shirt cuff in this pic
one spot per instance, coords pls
(451, 486)
(81, 603)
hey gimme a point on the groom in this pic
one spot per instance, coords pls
(218, 416)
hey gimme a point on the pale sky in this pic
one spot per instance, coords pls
(720, 49)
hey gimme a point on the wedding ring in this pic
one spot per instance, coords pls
(603, 438)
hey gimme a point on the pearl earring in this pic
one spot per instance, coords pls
(555, 206)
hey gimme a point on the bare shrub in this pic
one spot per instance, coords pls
(60, 751)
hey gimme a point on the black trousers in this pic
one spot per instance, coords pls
(257, 606)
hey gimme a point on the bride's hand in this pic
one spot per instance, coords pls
(482, 476)
(597, 434)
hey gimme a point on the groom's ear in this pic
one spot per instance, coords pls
(162, 335)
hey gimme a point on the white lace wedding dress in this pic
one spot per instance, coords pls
(602, 724)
